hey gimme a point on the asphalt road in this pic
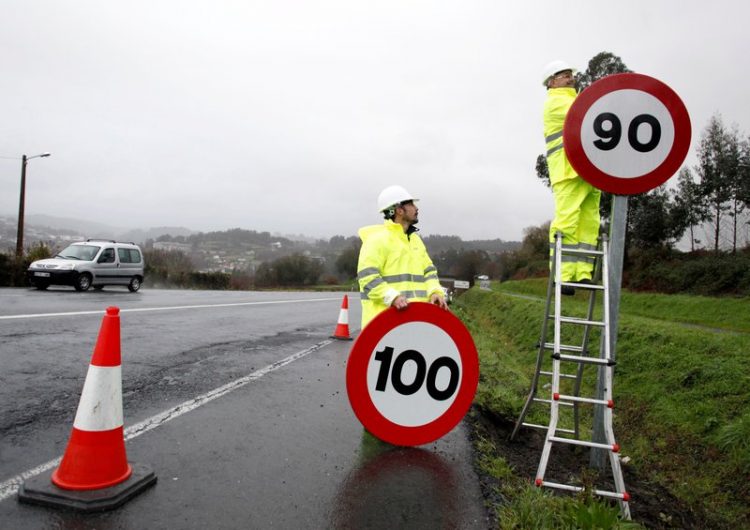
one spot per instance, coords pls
(237, 400)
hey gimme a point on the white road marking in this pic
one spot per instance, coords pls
(167, 308)
(10, 487)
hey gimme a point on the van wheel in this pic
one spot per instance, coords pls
(135, 284)
(83, 282)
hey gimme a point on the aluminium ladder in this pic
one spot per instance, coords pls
(579, 356)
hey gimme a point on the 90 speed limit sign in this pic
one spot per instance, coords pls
(627, 133)
(412, 374)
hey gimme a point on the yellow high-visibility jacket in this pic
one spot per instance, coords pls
(556, 106)
(390, 264)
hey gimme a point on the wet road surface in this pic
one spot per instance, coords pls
(282, 450)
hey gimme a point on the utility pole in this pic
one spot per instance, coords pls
(22, 202)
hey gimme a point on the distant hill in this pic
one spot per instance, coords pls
(60, 230)
(439, 243)
(69, 224)
(139, 235)
(49, 228)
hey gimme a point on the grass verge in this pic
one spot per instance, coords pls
(681, 389)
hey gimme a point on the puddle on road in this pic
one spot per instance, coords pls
(397, 487)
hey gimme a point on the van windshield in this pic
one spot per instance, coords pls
(79, 252)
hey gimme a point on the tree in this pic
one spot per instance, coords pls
(688, 207)
(542, 170)
(601, 65)
(168, 266)
(737, 173)
(717, 169)
(39, 251)
(532, 256)
(649, 220)
(469, 265)
(346, 263)
(744, 173)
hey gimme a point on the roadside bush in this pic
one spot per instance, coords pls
(209, 280)
(12, 271)
(295, 270)
(7, 266)
(695, 273)
(531, 260)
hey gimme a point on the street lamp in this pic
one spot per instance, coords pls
(19, 237)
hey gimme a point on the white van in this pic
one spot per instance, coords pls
(90, 263)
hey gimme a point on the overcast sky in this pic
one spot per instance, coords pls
(291, 116)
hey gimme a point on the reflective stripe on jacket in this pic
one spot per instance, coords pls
(556, 106)
(390, 263)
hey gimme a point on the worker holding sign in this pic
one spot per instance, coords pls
(394, 267)
(576, 201)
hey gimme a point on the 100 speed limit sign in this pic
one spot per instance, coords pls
(627, 133)
(412, 374)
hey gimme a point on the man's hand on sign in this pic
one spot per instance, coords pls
(400, 302)
(438, 300)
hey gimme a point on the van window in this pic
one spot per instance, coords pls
(129, 255)
(108, 256)
(81, 252)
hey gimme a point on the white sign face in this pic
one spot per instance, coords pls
(414, 375)
(627, 133)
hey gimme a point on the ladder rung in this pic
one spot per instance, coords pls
(609, 403)
(588, 360)
(549, 402)
(564, 376)
(614, 448)
(583, 321)
(563, 347)
(581, 252)
(603, 493)
(546, 428)
(592, 286)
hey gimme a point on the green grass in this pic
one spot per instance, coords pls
(532, 508)
(728, 313)
(682, 386)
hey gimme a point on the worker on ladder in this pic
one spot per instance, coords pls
(576, 201)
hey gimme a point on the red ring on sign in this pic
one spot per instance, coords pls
(610, 183)
(364, 348)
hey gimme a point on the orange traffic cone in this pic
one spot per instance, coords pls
(95, 457)
(342, 328)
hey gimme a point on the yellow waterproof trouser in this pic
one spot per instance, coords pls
(577, 217)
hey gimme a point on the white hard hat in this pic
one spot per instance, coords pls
(393, 195)
(555, 67)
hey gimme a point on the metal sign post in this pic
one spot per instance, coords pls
(617, 228)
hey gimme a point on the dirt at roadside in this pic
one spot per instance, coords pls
(651, 505)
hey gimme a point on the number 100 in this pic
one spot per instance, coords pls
(423, 373)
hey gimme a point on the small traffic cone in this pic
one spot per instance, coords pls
(342, 328)
(94, 473)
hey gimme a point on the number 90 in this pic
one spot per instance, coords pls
(611, 134)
